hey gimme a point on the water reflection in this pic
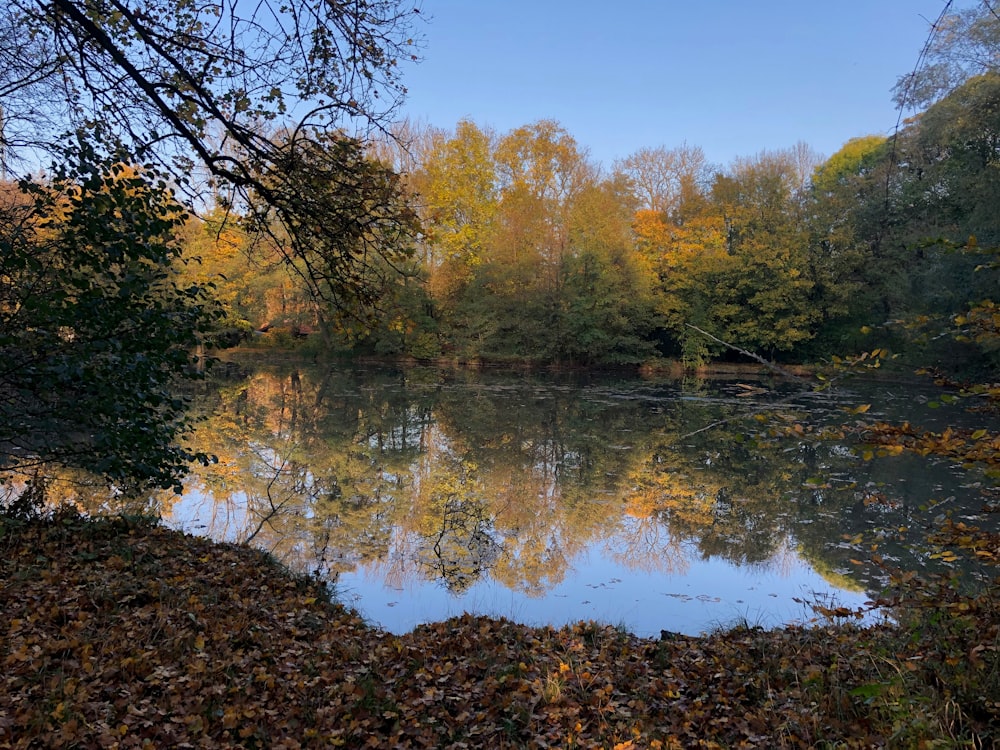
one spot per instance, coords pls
(425, 493)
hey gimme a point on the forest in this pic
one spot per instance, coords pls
(528, 251)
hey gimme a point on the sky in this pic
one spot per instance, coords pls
(734, 77)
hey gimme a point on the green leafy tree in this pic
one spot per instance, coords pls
(900, 226)
(947, 197)
(954, 144)
(763, 298)
(855, 276)
(96, 332)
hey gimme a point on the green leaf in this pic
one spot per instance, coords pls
(872, 690)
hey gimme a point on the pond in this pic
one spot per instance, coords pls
(650, 503)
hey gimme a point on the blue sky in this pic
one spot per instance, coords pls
(731, 76)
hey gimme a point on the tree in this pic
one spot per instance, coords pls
(847, 204)
(345, 223)
(956, 142)
(900, 228)
(763, 300)
(96, 333)
(606, 307)
(460, 202)
(687, 261)
(262, 101)
(240, 288)
(667, 180)
(945, 197)
(963, 44)
(732, 262)
(542, 170)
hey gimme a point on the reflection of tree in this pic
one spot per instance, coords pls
(545, 464)
(541, 533)
(308, 494)
(742, 487)
(662, 503)
(68, 487)
(464, 548)
(435, 475)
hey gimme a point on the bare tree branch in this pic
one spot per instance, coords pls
(756, 357)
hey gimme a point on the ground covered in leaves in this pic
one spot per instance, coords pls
(119, 633)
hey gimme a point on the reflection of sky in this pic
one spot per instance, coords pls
(635, 572)
(711, 593)
(199, 513)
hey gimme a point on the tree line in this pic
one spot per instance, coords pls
(526, 250)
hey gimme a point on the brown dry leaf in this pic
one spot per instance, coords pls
(215, 645)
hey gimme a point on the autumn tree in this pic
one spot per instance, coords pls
(730, 256)
(541, 169)
(608, 306)
(459, 207)
(686, 262)
(259, 109)
(964, 128)
(345, 229)
(215, 253)
(541, 243)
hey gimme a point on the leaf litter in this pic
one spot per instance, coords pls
(120, 633)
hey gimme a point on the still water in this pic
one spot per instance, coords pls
(654, 504)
